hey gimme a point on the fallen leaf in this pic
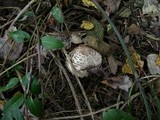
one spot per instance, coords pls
(138, 63)
(151, 62)
(112, 5)
(127, 69)
(87, 25)
(89, 3)
(112, 64)
(101, 46)
(158, 60)
(150, 7)
(97, 31)
(134, 29)
(121, 82)
(125, 13)
(10, 49)
(15, 51)
(75, 39)
(2, 102)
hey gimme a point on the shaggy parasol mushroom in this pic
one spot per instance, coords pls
(83, 58)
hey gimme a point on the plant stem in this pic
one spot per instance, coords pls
(136, 76)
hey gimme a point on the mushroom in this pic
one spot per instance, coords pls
(82, 59)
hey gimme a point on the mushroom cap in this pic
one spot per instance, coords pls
(84, 58)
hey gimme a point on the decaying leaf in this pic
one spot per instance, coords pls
(134, 29)
(158, 60)
(101, 46)
(121, 82)
(150, 7)
(89, 3)
(151, 62)
(112, 64)
(75, 39)
(112, 5)
(87, 25)
(138, 63)
(10, 49)
(125, 13)
(97, 31)
(2, 102)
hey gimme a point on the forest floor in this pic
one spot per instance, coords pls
(36, 40)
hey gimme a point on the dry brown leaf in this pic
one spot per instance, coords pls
(134, 29)
(10, 49)
(75, 39)
(112, 64)
(121, 82)
(99, 45)
(112, 5)
(151, 62)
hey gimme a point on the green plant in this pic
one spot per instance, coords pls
(31, 88)
(116, 114)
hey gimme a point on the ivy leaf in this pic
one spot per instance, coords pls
(51, 42)
(12, 82)
(16, 101)
(19, 35)
(97, 31)
(57, 14)
(115, 114)
(34, 106)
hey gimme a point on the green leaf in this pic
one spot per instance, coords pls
(115, 114)
(25, 80)
(57, 13)
(97, 31)
(12, 83)
(35, 86)
(28, 13)
(51, 42)
(34, 106)
(16, 101)
(19, 35)
(13, 114)
(125, 13)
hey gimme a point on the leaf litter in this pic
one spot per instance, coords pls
(138, 22)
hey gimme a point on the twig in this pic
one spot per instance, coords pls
(79, 83)
(17, 63)
(85, 97)
(85, 115)
(22, 11)
(136, 76)
(70, 85)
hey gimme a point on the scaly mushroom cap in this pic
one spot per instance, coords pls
(84, 58)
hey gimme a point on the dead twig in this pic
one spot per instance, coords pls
(22, 11)
(70, 85)
(80, 85)
(88, 114)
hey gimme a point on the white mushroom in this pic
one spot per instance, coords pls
(83, 58)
